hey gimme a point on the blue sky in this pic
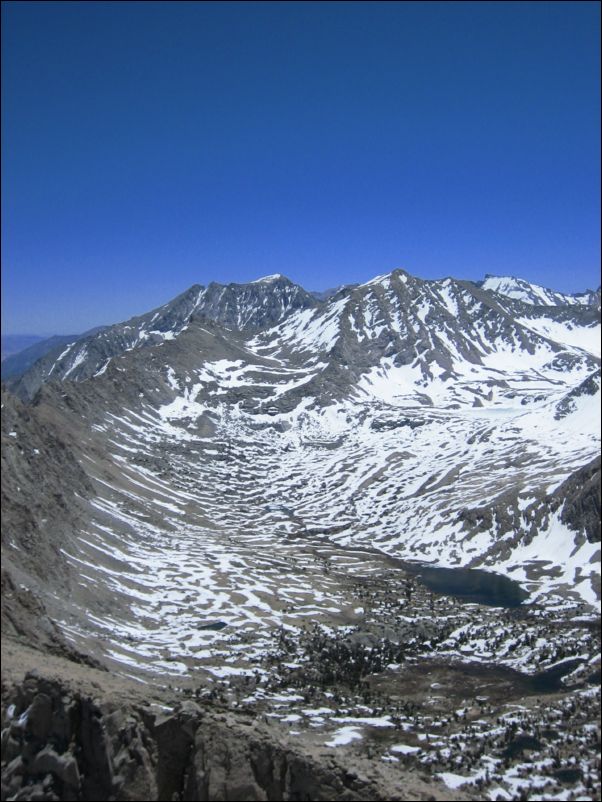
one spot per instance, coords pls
(150, 146)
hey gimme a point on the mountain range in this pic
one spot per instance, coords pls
(177, 487)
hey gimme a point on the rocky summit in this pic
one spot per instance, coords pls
(263, 543)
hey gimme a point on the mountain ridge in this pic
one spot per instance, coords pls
(252, 306)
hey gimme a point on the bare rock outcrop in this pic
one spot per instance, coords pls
(59, 743)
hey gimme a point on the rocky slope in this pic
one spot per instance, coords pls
(44, 492)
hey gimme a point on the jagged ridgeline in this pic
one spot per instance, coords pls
(289, 506)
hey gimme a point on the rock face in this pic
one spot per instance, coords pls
(254, 767)
(588, 387)
(61, 744)
(580, 499)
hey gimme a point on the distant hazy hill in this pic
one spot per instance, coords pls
(13, 343)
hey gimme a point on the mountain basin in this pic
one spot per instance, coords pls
(471, 585)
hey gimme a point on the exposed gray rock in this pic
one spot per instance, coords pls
(96, 750)
(256, 767)
(39, 716)
(589, 386)
(580, 498)
(44, 492)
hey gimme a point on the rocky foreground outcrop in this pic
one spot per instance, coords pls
(61, 744)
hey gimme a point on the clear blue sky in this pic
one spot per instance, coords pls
(150, 146)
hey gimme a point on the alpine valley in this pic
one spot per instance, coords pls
(262, 543)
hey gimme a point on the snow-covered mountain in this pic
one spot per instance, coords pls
(433, 420)
(237, 306)
(252, 491)
(436, 421)
(537, 295)
(431, 342)
(434, 328)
